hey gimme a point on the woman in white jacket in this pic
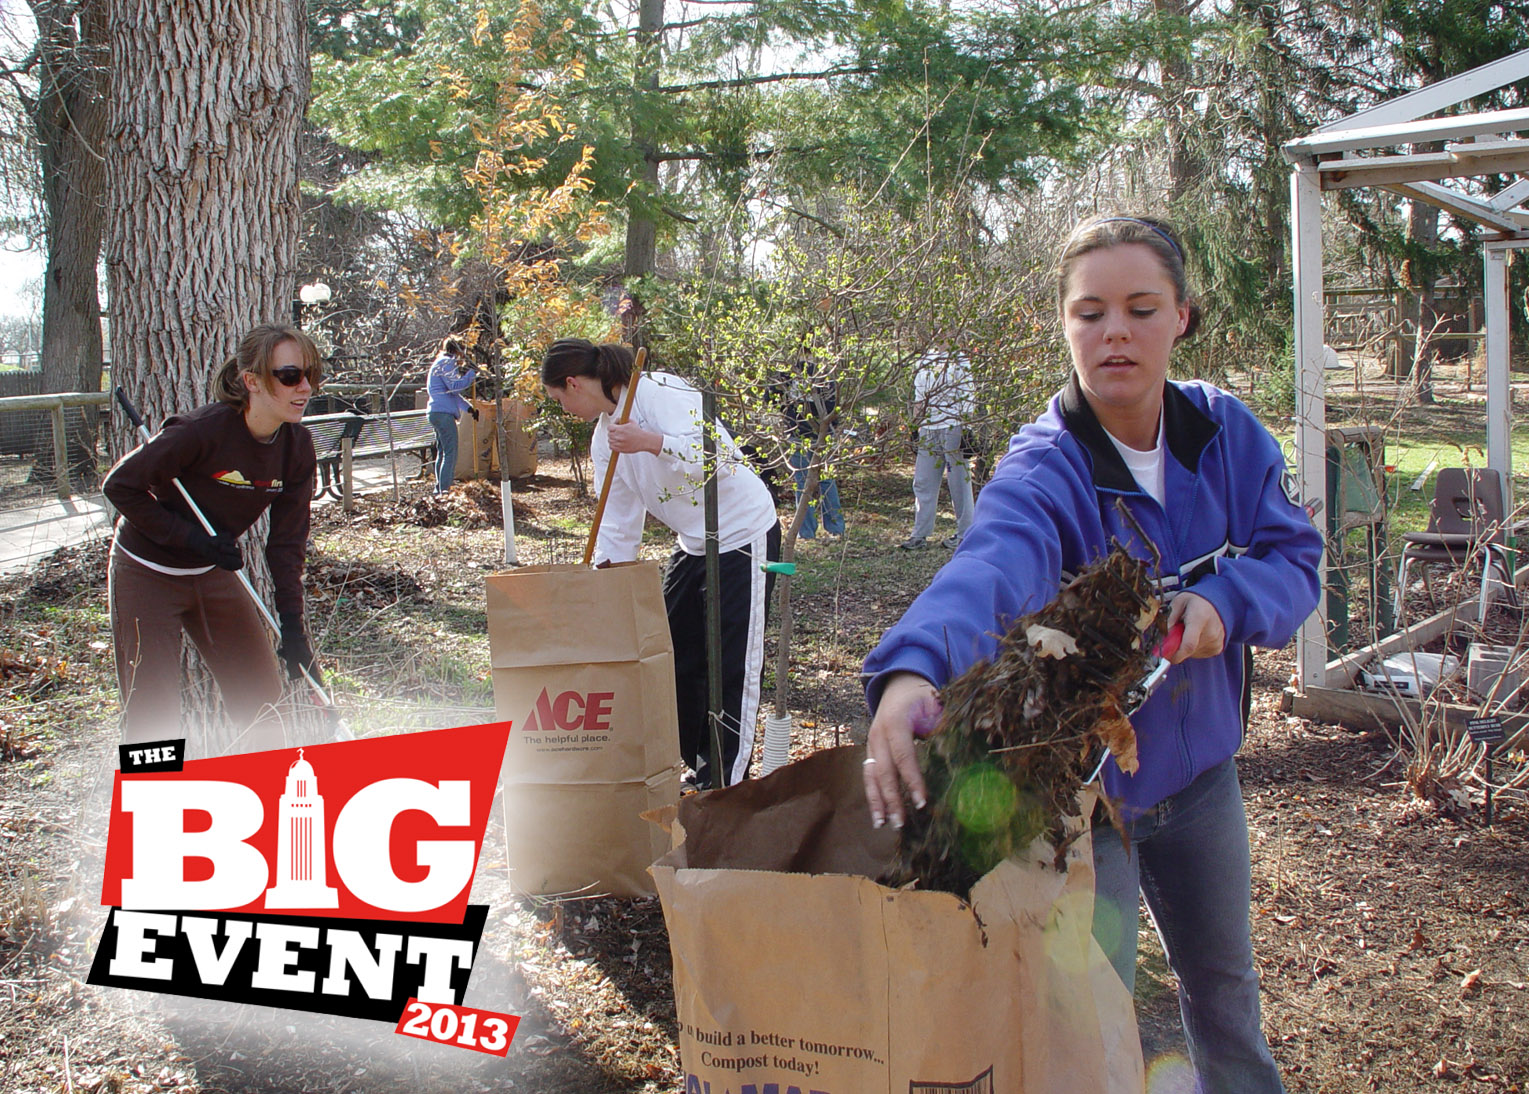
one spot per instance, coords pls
(661, 473)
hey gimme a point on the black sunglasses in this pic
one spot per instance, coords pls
(289, 375)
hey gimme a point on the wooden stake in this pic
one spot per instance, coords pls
(610, 468)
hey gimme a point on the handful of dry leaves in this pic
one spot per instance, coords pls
(1019, 734)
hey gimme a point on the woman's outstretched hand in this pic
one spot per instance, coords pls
(909, 708)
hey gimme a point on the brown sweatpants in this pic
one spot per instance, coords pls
(150, 610)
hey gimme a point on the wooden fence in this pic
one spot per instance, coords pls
(21, 431)
(51, 410)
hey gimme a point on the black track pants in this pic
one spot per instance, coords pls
(745, 592)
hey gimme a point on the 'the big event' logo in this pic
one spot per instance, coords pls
(332, 878)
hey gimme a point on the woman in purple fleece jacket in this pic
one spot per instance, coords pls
(1208, 485)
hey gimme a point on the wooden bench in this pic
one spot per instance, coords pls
(369, 436)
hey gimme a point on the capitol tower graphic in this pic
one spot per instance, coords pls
(300, 850)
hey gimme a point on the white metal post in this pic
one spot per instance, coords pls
(1499, 396)
(1310, 401)
(507, 508)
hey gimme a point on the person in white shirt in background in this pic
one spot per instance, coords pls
(661, 472)
(943, 400)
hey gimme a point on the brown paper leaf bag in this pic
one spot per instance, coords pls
(584, 668)
(793, 970)
(477, 452)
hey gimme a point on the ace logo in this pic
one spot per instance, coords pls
(339, 873)
(571, 711)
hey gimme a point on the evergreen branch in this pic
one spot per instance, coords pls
(755, 81)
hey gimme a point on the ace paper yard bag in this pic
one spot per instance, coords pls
(584, 669)
(793, 970)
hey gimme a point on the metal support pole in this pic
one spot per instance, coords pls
(1489, 786)
(713, 592)
(1494, 294)
(1310, 398)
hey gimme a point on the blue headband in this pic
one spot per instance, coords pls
(1147, 224)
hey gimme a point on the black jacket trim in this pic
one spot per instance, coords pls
(1186, 428)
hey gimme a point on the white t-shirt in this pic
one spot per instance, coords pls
(671, 485)
(1145, 467)
(942, 384)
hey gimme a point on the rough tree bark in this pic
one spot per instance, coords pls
(202, 153)
(1186, 164)
(202, 149)
(68, 116)
(641, 227)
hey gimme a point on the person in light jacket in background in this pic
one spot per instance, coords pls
(942, 402)
(449, 375)
(661, 472)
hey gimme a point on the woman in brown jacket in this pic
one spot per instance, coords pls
(236, 457)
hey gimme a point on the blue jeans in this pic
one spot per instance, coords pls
(828, 498)
(445, 426)
(1189, 858)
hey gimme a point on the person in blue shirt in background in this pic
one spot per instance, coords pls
(449, 374)
(1237, 559)
(810, 405)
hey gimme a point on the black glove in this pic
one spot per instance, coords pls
(474, 412)
(220, 550)
(295, 650)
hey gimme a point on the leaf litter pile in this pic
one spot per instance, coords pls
(328, 579)
(1020, 734)
(472, 504)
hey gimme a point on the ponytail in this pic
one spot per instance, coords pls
(226, 385)
(610, 363)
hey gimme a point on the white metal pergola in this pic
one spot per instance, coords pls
(1370, 148)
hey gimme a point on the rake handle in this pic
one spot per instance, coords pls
(610, 468)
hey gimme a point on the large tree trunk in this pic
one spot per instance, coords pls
(202, 152)
(1186, 165)
(204, 209)
(69, 120)
(641, 227)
